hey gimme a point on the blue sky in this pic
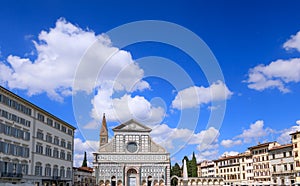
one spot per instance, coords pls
(255, 43)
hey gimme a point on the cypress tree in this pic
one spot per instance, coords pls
(193, 165)
(84, 163)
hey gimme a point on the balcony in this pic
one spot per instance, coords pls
(11, 175)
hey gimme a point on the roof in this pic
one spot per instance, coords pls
(282, 146)
(84, 169)
(35, 106)
(132, 126)
(297, 132)
(261, 145)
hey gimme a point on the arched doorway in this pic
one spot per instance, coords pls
(113, 181)
(149, 180)
(132, 177)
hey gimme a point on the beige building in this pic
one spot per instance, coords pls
(261, 162)
(36, 147)
(206, 169)
(83, 176)
(131, 157)
(282, 165)
(296, 150)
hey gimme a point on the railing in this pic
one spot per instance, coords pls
(11, 175)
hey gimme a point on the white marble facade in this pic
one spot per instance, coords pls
(131, 158)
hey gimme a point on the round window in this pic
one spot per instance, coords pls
(132, 146)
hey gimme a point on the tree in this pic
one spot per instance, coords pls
(193, 164)
(175, 171)
(84, 163)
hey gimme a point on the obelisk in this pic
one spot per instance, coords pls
(185, 174)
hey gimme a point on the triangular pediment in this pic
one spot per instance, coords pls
(132, 126)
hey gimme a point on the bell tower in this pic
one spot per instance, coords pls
(103, 132)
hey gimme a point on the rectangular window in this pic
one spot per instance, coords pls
(69, 157)
(70, 132)
(49, 138)
(273, 156)
(39, 148)
(297, 163)
(63, 143)
(63, 128)
(41, 117)
(69, 146)
(48, 151)
(55, 153)
(40, 135)
(292, 166)
(56, 140)
(62, 154)
(284, 154)
(57, 125)
(49, 122)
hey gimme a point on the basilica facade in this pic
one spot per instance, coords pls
(131, 157)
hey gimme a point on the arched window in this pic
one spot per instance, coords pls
(62, 171)
(69, 173)
(38, 169)
(48, 170)
(55, 170)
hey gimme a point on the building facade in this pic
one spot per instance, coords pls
(282, 165)
(232, 169)
(296, 150)
(83, 176)
(206, 169)
(130, 157)
(36, 147)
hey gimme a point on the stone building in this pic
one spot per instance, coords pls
(261, 162)
(36, 147)
(131, 157)
(282, 165)
(83, 176)
(206, 169)
(296, 150)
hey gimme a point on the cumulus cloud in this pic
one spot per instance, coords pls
(59, 52)
(256, 132)
(293, 42)
(279, 73)
(284, 136)
(167, 137)
(125, 108)
(194, 96)
(80, 147)
(275, 75)
(230, 143)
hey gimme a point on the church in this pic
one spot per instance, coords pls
(130, 158)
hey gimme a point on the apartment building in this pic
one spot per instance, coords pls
(228, 167)
(261, 162)
(296, 150)
(36, 147)
(206, 169)
(83, 176)
(282, 165)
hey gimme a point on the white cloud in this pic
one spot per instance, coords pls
(167, 136)
(275, 75)
(59, 52)
(207, 155)
(278, 73)
(230, 143)
(206, 139)
(293, 42)
(80, 147)
(230, 153)
(255, 132)
(285, 137)
(125, 108)
(194, 96)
